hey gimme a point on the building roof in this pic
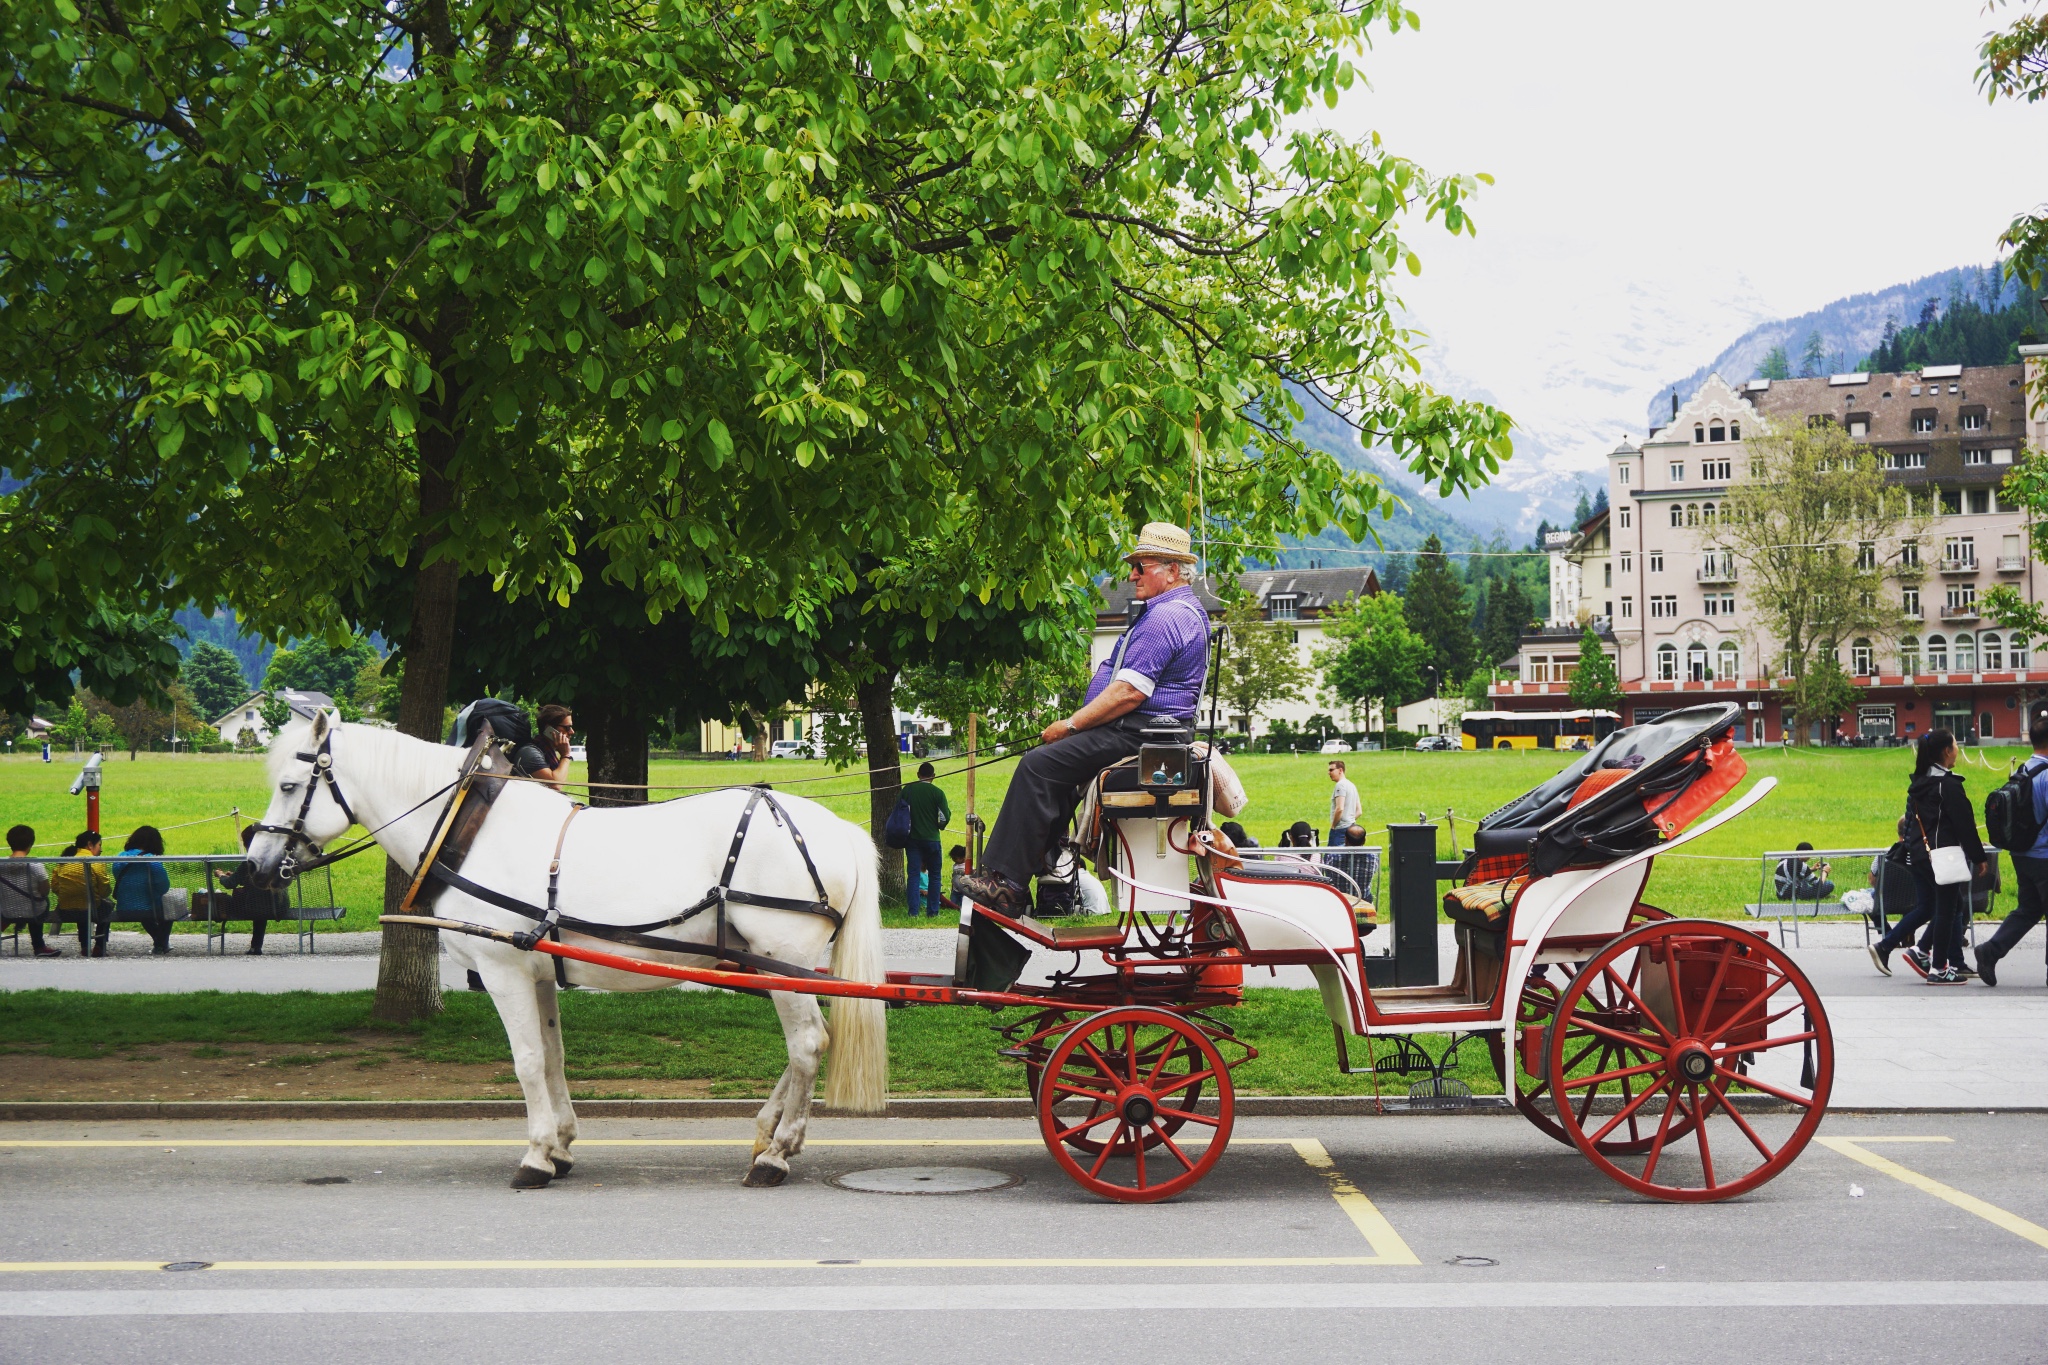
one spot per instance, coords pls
(1314, 590)
(302, 703)
(1888, 403)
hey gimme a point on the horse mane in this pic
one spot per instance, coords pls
(384, 758)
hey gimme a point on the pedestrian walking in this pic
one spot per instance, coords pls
(85, 890)
(929, 814)
(2029, 865)
(1940, 817)
(1344, 804)
(140, 884)
(25, 890)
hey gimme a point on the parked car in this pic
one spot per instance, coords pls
(578, 754)
(1334, 746)
(1435, 743)
(790, 748)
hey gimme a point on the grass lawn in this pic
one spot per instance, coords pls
(212, 1045)
(1842, 798)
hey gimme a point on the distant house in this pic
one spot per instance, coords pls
(248, 715)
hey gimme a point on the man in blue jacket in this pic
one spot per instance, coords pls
(2030, 867)
(1154, 674)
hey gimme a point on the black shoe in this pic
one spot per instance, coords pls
(1881, 958)
(994, 892)
(1945, 976)
(1918, 961)
(49, 952)
(160, 952)
(1987, 968)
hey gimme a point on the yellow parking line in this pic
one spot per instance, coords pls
(1969, 1203)
(1387, 1246)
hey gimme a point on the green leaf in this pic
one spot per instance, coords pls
(301, 277)
(892, 299)
(126, 305)
(721, 439)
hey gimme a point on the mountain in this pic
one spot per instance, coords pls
(1849, 329)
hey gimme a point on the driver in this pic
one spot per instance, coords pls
(546, 755)
(1154, 674)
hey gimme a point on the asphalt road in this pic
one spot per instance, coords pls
(1274, 1258)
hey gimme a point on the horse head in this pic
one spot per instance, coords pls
(307, 807)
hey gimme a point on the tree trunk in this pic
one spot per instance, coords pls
(885, 770)
(409, 959)
(615, 728)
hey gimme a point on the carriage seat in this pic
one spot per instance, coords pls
(1483, 905)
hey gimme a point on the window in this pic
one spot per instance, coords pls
(1707, 513)
(1539, 668)
(1717, 432)
(1859, 658)
(1664, 606)
(1960, 550)
(1991, 650)
(1628, 608)
(1866, 555)
(1678, 514)
(1937, 654)
(248, 715)
(1909, 655)
(1950, 499)
(1715, 471)
(1696, 664)
(1973, 421)
(1908, 459)
(1976, 457)
(1628, 561)
(1699, 437)
(1656, 561)
(1735, 431)
(1727, 604)
(1692, 514)
(1923, 421)
(1667, 663)
(1962, 597)
(1909, 554)
(1859, 429)
(1678, 471)
(1727, 662)
(1624, 519)
(1909, 601)
(1980, 501)
(1866, 600)
(1621, 475)
(1966, 653)
(2016, 654)
(1283, 608)
(1607, 573)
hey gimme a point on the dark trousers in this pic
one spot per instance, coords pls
(2032, 874)
(1044, 791)
(159, 930)
(94, 928)
(921, 858)
(1944, 909)
(1921, 916)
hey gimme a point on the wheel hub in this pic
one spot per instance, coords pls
(1692, 1063)
(1138, 1109)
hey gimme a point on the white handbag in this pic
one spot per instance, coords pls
(1949, 864)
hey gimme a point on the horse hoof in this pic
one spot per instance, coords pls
(563, 1166)
(531, 1178)
(762, 1176)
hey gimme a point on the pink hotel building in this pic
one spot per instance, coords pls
(1666, 598)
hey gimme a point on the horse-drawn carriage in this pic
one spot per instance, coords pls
(1688, 1059)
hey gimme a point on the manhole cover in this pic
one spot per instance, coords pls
(325, 1180)
(1472, 1262)
(189, 1265)
(925, 1180)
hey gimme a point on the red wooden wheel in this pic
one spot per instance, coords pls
(1137, 1070)
(1698, 1013)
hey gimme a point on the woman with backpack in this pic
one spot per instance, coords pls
(1938, 816)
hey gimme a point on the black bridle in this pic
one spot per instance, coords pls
(322, 759)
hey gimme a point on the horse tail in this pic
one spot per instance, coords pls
(857, 1075)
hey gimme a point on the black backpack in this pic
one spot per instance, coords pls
(509, 722)
(2009, 811)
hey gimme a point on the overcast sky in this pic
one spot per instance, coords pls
(1669, 174)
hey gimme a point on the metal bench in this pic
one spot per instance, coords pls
(185, 905)
(1767, 905)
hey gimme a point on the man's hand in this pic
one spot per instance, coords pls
(1059, 729)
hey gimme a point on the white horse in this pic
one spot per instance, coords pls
(619, 866)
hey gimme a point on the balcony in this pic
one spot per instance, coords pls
(2012, 563)
(1717, 573)
(1967, 611)
(1959, 567)
(1911, 572)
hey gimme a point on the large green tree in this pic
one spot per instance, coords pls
(1261, 663)
(1438, 611)
(1595, 685)
(1373, 657)
(213, 678)
(317, 666)
(746, 300)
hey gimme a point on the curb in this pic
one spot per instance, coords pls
(1019, 1108)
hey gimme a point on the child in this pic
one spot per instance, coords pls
(25, 890)
(958, 855)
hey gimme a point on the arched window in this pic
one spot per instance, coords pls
(1667, 662)
(1692, 514)
(1966, 653)
(1735, 431)
(1717, 432)
(1699, 435)
(1990, 651)
(1937, 654)
(1707, 513)
(1860, 658)
(1696, 663)
(1909, 655)
(1728, 662)
(2016, 653)
(1677, 515)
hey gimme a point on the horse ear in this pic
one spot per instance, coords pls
(319, 725)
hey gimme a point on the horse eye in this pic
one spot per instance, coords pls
(287, 787)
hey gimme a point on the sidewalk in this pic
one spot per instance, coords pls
(1899, 1043)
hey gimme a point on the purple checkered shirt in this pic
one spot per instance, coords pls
(1164, 654)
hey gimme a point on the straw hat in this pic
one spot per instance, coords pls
(1162, 540)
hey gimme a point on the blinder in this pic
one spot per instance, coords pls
(322, 759)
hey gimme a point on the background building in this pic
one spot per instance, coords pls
(1656, 581)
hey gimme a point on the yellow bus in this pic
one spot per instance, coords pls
(1537, 729)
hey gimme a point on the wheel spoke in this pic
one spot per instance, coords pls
(1699, 1131)
(1583, 1081)
(1166, 1141)
(1138, 1144)
(1586, 1106)
(1095, 1171)
(1663, 1136)
(1737, 1078)
(1095, 1117)
(1645, 1045)
(1732, 1112)
(1628, 1112)
(1174, 1044)
(1190, 1116)
(1131, 1053)
(1104, 1067)
(1179, 1084)
(1761, 996)
(1064, 1088)
(1637, 1000)
(1770, 1043)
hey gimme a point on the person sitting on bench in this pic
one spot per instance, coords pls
(1798, 879)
